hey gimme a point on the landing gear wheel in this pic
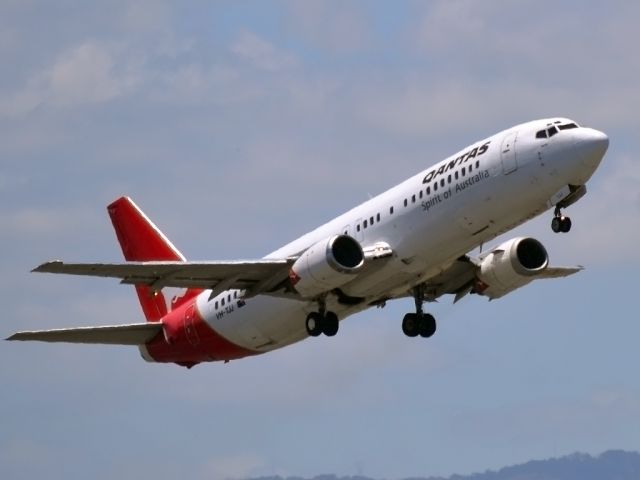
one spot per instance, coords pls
(411, 325)
(314, 324)
(330, 324)
(560, 223)
(427, 325)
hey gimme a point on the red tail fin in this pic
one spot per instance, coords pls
(142, 241)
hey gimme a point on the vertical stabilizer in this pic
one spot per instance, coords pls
(142, 241)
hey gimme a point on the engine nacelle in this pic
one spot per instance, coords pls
(510, 266)
(326, 265)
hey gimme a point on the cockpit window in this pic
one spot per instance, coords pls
(541, 134)
(552, 131)
(567, 126)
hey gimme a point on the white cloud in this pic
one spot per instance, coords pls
(197, 83)
(88, 73)
(260, 53)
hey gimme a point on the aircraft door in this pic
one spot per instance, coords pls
(508, 153)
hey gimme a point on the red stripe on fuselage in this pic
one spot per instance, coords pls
(189, 340)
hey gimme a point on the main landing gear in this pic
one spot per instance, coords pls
(560, 223)
(322, 322)
(419, 323)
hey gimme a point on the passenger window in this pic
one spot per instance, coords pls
(449, 179)
(442, 183)
(364, 224)
(378, 217)
(470, 168)
(464, 172)
(477, 163)
(229, 298)
(420, 194)
(405, 202)
(371, 221)
(435, 186)
(456, 174)
(358, 227)
(216, 304)
(390, 210)
(222, 302)
(413, 199)
(429, 190)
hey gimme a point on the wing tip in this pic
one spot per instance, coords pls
(14, 337)
(47, 267)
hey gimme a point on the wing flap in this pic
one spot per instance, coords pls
(133, 334)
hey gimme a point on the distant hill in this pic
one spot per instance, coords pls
(611, 465)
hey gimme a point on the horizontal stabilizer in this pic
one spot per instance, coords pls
(134, 334)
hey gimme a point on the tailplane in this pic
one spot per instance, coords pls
(142, 241)
(135, 334)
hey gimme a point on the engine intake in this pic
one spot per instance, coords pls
(510, 266)
(326, 265)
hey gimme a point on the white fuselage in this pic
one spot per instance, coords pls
(429, 221)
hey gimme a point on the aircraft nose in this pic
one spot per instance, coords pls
(591, 145)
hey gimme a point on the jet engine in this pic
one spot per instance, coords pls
(326, 265)
(510, 266)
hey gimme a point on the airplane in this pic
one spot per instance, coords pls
(412, 241)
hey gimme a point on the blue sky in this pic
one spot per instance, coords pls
(238, 126)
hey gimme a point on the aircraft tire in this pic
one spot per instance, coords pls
(556, 225)
(330, 324)
(427, 325)
(314, 324)
(410, 325)
(565, 224)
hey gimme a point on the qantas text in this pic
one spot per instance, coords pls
(465, 157)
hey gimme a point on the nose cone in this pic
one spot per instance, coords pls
(591, 145)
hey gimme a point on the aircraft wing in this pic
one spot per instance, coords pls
(558, 272)
(458, 278)
(134, 334)
(257, 276)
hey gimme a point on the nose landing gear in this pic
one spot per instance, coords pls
(560, 223)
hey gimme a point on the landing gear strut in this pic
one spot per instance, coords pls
(560, 223)
(419, 323)
(322, 321)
